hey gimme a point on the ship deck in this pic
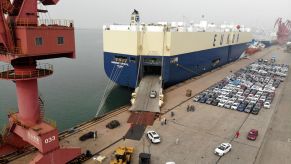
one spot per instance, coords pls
(143, 101)
(201, 131)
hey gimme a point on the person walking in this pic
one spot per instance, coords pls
(237, 134)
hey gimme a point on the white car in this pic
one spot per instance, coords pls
(153, 137)
(222, 149)
(234, 106)
(239, 93)
(267, 105)
(241, 98)
(254, 101)
(220, 97)
(257, 96)
(227, 105)
(263, 98)
(221, 103)
(259, 93)
(153, 94)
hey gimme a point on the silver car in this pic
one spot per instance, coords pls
(153, 94)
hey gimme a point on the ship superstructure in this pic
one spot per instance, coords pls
(175, 51)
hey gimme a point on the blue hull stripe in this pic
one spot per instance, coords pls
(187, 66)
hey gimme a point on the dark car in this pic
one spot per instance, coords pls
(203, 99)
(242, 106)
(269, 98)
(144, 158)
(265, 94)
(249, 108)
(253, 91)
(215, 96)
(113, 124)
(276, 84)
(87, 136)
(253, 134)
(258, 105)
(271, 95)
(215, 102)
(256, 110)
(209, 101)
(246, 93)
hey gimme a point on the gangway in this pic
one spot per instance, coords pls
(141, 101)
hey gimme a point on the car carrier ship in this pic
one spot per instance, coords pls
(174, 51)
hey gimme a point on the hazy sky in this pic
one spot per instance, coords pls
(95, 13)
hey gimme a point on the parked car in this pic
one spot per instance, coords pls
(203, 99)
(235, 106)
(113, 124)
(221, 103)
(227, 105)
(270, 99)
(153, 136)
(276, 84)
(253, 134)
(222, 149)
(255, 110)
(241, 98)
(208, 101)
(196, 98)
(267, 105)
(86, 136)
(215, 102)
(263, 98)
(242, 106)
(249, 108)
(220, 97)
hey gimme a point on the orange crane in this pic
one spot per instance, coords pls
(24, 41)
(284, 30)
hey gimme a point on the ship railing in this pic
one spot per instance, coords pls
(44, 22)
(42, 70)
(170, 28)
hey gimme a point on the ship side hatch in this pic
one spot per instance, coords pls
(151, 70)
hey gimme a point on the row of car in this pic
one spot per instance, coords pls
(247, 90)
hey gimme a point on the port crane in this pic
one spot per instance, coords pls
(24, 41)
(284, 30)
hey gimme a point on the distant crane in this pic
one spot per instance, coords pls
(284, 30)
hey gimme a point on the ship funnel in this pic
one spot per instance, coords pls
(135, 19)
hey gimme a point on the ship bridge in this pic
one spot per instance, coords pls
(141, 99)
